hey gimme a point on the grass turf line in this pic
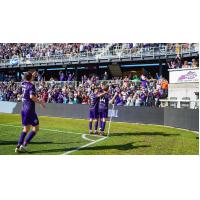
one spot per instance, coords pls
(125, 138)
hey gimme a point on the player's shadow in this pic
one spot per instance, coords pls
(125, 147)
(61, 150)
(145, 134)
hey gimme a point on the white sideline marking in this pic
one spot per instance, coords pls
(46, 129)
(85, 138)
(68, 152)
(82, 147)
(116, 123)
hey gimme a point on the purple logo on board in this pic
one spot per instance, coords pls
(190, 76)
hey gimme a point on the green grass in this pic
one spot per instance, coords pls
(125, 138)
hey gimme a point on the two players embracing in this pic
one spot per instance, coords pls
(98, 108)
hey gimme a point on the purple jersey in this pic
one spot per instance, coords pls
(93, 107)
(118, 100)
(94, 102)
(29, 117)
(144, 83)
(62, 77)
(27, 90)
(143, 97)
(103, 103)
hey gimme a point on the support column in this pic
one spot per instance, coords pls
(160, 68)
(76, 72)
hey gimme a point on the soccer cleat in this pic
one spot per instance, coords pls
(23, 148)
(96, 132)
(17, 150)
(101, 133)
(90, 131)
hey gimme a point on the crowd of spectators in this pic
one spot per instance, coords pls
(37, 50)
(27, 51)
(132, 90)
(179, 63)
(170, 47)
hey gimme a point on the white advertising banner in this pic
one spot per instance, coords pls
(183, 75)
(7, 107)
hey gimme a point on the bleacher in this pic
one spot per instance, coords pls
(106, 53)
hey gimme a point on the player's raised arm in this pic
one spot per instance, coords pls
(102, 94)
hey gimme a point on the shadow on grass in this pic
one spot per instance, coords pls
(34, 142)
(61, 150)
(144, 134)
(126, 146)
(123, 147)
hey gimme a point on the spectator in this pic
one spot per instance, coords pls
(150, 98)
(194, 63)
(143, 97)
(137, 100)
(157, 97)
(185, 64)
(45, 96)
(105, 77)
(62, 76)
(119, 100)
(131, 91)
(164, 87)
(130, 100)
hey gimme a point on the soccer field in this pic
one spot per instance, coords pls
(69, 137)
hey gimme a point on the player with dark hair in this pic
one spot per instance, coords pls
(28, 114)
(93, 110)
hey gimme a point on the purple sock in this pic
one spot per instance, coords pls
(21, 139)
(29, 137)
(96, 125)
(90, 125)
(103, 126)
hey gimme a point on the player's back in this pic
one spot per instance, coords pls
(103, 102)
(27, 103)
(94, 102)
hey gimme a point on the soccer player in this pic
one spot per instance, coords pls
(28, 114)
(93, 110)
(103, 107)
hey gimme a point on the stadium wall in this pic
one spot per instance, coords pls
(179, 118)
(182, 118)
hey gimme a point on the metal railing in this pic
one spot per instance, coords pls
(192, 104)
(114, 53)
(49, 84)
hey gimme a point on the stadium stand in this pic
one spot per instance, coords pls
(68, 71)
(133, 91)
(36, 54)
